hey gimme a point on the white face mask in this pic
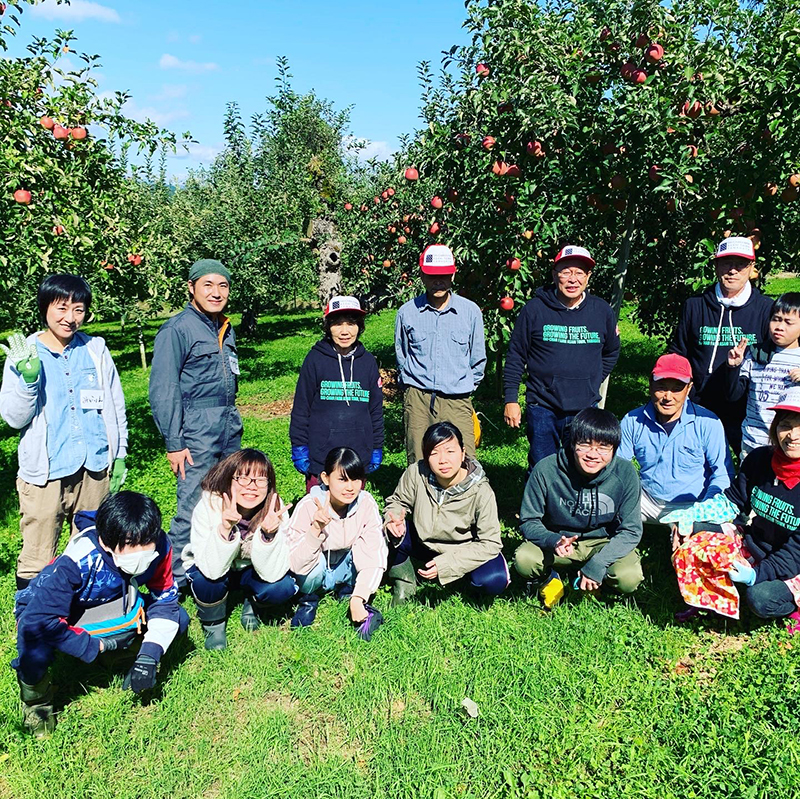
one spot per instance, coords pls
(135, 563)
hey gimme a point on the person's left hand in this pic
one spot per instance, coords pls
(375, 461)
(586, 584)
(430, 572)
(742, 573)
(794, 375)
(357, 610)
(275, 511)
(142, 676)
(118, 475)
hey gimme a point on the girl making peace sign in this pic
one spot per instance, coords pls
(238, 538)
(336, 542)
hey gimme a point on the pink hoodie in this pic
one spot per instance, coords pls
(361, 530)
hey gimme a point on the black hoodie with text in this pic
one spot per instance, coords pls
(338, 403)
(559, 500)
(705, 333)
(566, 352)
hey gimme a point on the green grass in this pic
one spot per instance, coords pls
(596, 699)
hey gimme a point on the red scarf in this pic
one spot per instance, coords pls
(786, 469)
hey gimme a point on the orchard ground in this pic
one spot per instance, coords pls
(596, 699)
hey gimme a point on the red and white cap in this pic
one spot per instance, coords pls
(577, 253)
(673, 366)
(788, 401)
(736, 245)
(437, 259)
(341, 304)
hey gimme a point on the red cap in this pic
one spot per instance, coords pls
(673, 366)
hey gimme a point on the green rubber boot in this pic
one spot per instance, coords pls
(37, 707)
(212, 619)
(404, 582)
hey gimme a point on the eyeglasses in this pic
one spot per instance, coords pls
(245, 480)
(600, 449)
(567, 273)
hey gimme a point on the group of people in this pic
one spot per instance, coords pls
(583, 505)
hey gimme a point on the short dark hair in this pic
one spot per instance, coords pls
(595, 424)
(339, 316)
(348, 461)
(128, 519)
(780, 415)
(437, 434)
(786, 303)
(62, 287)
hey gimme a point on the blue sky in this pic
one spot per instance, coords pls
(182, 61)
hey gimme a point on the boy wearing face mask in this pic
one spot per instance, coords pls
(87, 601)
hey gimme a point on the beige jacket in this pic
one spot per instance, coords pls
(459, 523)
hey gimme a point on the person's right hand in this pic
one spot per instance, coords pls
(564, 546)
(24, 357)
(177, 462)
(736, 355)
(230, 514)
(396, 525)
(322, 515)
(512, 414)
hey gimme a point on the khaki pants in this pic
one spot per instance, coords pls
(417, 418)
(534, 563)
(44, 509)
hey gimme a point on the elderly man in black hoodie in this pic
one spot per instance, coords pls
(582, 507)
(567, 341)
(713, 323)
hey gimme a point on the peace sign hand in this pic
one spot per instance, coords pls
(230, 516)
(736, 355)
(275, 511)
(322, 515)
(565, 546)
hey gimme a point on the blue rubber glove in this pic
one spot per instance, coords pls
(742, 573)
(375, 461)
(301, 458)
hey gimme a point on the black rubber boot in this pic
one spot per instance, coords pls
(212, 619)
(251, 614)
(403, 580)
(37, 707)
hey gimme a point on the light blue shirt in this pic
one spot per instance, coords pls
(76, 435)
(442, 351)
(691, 463)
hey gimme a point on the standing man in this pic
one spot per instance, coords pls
(680, 447)
(715, 322)
(193, 386)
(441, 355)
(567, 341)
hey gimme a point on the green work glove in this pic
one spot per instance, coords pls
(24, 356)
(118, 475)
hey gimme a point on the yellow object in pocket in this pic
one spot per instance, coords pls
(476, 428)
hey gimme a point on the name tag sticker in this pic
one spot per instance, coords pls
(234, 362)
(91, 399)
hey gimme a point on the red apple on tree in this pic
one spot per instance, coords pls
(654, 53)
(499, 167)
(79, 133)
(22, 196)
(47, 123)
(390, 191)
(488, 142)
(434, 228)
(482, 70)
(506, 303)
(618, 182)
(654, 173)
(348, 207)
(605, 34)
(436, 202)
(401, 239)
(638, 76)
(513, 171)
(58, 230)
(692, 149)
(60, 132)
(411, 173)
(642, 40)
(514, 264)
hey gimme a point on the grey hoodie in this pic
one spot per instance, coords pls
(560, 500)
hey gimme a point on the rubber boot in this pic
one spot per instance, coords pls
(306, 610)
(251, 614)
(37, 707)
(212, 619)
(404, 582)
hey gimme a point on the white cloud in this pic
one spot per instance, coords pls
(76, 11)
(162, 118)
(172, 91)
(199, 153)
(168, 61)
(195, 38)
(381, 150)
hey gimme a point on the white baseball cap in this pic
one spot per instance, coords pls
(788, 401)
(437, 259)
(339, 304)
(736, 245)
(578, 253)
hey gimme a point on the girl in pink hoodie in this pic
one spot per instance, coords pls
(336, 543)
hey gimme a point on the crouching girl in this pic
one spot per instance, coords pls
(238, 539)
(336, 542)
(454, 530)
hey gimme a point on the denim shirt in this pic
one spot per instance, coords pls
(442, 351)
(76, 436)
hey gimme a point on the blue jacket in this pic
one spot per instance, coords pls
(48, 611)
(692, 463)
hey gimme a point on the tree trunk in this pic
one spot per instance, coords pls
(620, 274)
(247, 326)
(325, 237)
(142, 350)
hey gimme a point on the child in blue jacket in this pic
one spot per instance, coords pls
(87, 601)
